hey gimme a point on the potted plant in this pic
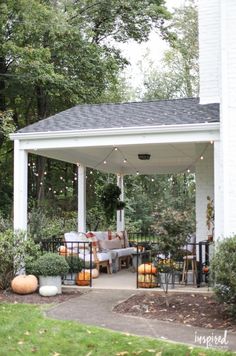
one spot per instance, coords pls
(75, 266)
(210, 218)
(50, 268)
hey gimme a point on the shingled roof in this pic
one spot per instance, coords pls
(133, 114)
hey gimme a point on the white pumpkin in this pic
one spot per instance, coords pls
(48, 291)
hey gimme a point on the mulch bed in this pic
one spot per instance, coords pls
(35, 298)
(189, 309)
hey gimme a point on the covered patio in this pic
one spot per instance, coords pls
(176, 135)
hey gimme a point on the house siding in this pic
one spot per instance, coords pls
(209, 50)
(228, 115)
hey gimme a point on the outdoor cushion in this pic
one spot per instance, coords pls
(110, 244)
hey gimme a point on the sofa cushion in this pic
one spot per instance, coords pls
(122, 235)
(110, 244)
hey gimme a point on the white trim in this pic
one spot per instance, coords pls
(116, 131)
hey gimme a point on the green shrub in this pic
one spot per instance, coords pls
(223, 271)
(75, 263)
(50, 264)
(15, 251)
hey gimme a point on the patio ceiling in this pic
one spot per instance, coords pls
(164, 158)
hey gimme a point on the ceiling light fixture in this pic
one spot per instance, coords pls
(144, 156)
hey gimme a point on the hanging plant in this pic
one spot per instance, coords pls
(110, 200)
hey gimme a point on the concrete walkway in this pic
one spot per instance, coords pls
(95, 307)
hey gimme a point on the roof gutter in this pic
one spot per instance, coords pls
(116, 131)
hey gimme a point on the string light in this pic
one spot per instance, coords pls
(152, 179)
(137, 173)
(125, 160)
(201, 158)
(45, 173)
(91, 172)
(116, 149)
(104, 162)
(188, 170)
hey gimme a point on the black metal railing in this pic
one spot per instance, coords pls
(79, 256)
(189, 264)
(186, 266)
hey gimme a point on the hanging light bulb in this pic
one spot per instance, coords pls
(45, 173)
(29, 164)
(125, 160)
(91, 172)
(104, 162)
(201, 157)
(49, 188)
(188, 170)
(115, 148)
(137, 173)
(152, 179)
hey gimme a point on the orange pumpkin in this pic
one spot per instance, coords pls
(24, 284)
(83, 278)
(205, 269)
(62, 251)
(147, 281)
(147, 268)
(94, 271)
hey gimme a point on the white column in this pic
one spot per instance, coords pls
(81, 198)
(204, 188)
(20, 187)
(218, 191)
(120, 216)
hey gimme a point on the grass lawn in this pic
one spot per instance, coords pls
(24, 330)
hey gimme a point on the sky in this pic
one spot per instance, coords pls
(135, 52)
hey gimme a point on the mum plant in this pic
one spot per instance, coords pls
(50, 264)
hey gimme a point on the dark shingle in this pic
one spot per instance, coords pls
(149, 113)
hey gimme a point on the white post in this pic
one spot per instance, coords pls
(218, 191)
(20, 187)
(120, 216)
(204, 188)
(81, 198)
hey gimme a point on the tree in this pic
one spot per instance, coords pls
(178, 77)
(55, 54)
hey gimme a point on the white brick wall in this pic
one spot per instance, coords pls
(204, 188)
(228, 115)
(217, 42)
(209, 50)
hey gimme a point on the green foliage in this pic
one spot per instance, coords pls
(223, 271)
(15, 251)
(172, 228)
(75, 263)
(110, 200)
(178, 76)
(50, 264)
